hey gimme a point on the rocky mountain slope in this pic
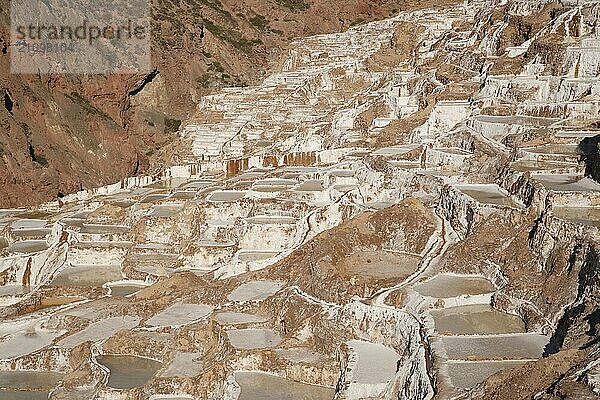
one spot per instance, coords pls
(58, 131)
(404, 210)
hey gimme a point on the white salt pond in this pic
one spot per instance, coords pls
(445, 286)
(100, 229)
(184, 365)
(509, 347)
(235, 318)
(310, 186)
(567, 183)
(165, 211)
(468, 374)
(534, 165)
(28, 246)
(100, 330)
(125, 288)
(180, 314)
(8, 394)
(255, 255)
(263, 386)
(87, 275)
(271, 219)
(25, 341)
(476, 320)
(255, 291)
(249, 339)
(225, 196)
(487, 194)
(589, 216)
(29, 380)
(127, 372)
(375, 364)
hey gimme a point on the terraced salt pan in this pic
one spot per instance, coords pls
(508, 347)
(567, 183)
(226, 196)
(127, 372)
(249, 339)
(100, 330)
(476, 320)
(255, 256)
(468, 374)
(372, 367)
(534, 165)
(271, 219)
(87, 275)
(445, 286)
(29, 380)
(488, 194)
(125, 288)
(165, 211)
(255, 291)
(8, 394)
(25, 341)
(100, 229)
(263, 386)
(589, 216)
(310, 186)
(394, 151)
(28, 246)
(31, 233)
(28, 223)
(180, 314)
(235, 318)
(184, 365)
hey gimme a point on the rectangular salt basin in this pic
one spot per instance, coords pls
(510, 346)
(127, 372)
(468, 374)
(567, 183)
(100, 330)
(29, 380)
(488, 194)
(224, 196)
(87, 275)
(476, 320)
(445, 286)
(263, 386)
(249, 339)
(28, 246)
(180, 314)
(589, 216)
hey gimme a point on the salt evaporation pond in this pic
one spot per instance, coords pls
(248, 339)
(488, 194)
(589, 216)
(28, 246)
(510, 347)
(87, 275)
(468, 374)
(445, 286)
(127, 372)
(29, 380)
(180, 314)
(476, 320)
(7, 394)
(263, 386)
(122, 289)
(255, 291)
